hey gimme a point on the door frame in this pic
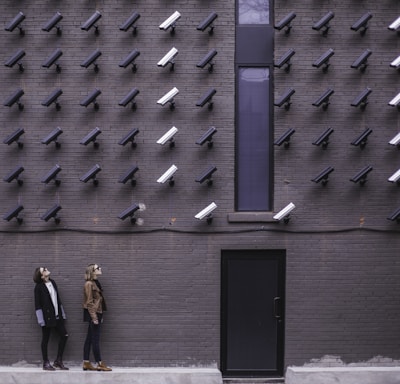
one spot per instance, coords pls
(267, 254)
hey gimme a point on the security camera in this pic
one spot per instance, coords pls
(207, 98)
(91, 174)
(14, 137)
(90, 22)
(129, 175)
(362, 23)
(57, 53)
(53, 136)
(362, 99)
(323, 176)
(169, 98)
(207, 175)
(323, 139)
(130, 212)
(395, 101)
(324, 23)
(132, 19)
(52, 98)
(285, 99)
(129, 98)
(395, 215)
(207, 137)
(168, 136)
(324, 99)
(168, 58)
(130, 60)
(396, 63)
(208, 23)
(285, 23)
(206, 213)
(53, 23)
(324, 60)
(168, 175)
(284, 214)
(130, 137)
(14, 213)
(395, 178)
(361, 176)
(52, 213)
(14, 98)
(91, 59)
(285, 60)
(285, 138)
(14, 175)
(395, 140)
(394, 26)
(52, 175)
(16, 58)
(14, 23)
(171, 22)
(362, 139)
(91, 137)
(362, 61)
(91, 98)
(207, 60)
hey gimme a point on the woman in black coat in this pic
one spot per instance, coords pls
(50, 315)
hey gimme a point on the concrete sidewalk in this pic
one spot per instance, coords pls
(75, 375)
(343, 375)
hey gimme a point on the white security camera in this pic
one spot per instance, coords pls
(168, 136)
(169, 97)
(395, 101)
(395, 178)
(168, 175)
(395, 140)
(206, 212)
(395, 25)
(284, 213)
(170, 22)
(395, 63)
(168, 58)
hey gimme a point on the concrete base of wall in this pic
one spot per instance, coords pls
(12, 375)
(342, 375)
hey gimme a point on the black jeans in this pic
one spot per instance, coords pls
(92, 340)
(63, 335)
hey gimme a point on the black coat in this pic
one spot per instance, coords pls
(44, 306)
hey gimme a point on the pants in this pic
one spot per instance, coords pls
(63, 337)
(92, 340)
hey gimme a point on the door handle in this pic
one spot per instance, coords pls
(277, 308)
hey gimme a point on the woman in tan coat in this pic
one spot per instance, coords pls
(93, 307)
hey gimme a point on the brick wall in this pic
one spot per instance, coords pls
(162, 279)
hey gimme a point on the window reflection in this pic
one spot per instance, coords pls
(253, 11)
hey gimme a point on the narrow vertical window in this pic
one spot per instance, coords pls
(253, 140)
(253, 11)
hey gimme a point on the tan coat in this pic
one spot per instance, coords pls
(93, 299)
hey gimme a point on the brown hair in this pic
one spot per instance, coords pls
(37, 276)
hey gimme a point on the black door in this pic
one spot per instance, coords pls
(252, 318)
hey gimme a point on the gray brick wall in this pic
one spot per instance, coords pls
(162, 279)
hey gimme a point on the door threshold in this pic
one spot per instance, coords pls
(253, 380)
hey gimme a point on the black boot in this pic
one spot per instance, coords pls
(60, 365)
(47, 366)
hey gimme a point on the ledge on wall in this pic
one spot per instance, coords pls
(251, 217)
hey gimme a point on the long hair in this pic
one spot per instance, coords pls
(89, 273)
(37, 276)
